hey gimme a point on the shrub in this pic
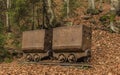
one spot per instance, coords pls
(8, 60)
(2, 40)
(93, 12)
(5, 55)
(104, 18)
(1, 27)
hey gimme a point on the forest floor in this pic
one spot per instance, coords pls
(105, 58)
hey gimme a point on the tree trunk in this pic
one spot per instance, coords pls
(67, 2)
(101, 6)
(8, 26)
(115, 6)
(7, 15)
(114, 9)
(33, 26)
(38, 17)
(91, 4)
(91, 8)
(50, 12)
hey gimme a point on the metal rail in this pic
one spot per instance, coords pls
(78, 64)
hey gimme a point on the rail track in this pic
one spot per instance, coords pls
(56, 63)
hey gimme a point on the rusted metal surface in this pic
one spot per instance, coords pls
(33, 40)
(70, 37)
(58, 44)
(67, 37)
(87, 38)
(50, 63)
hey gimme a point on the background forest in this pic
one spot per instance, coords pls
(17, 16)
(103, 16)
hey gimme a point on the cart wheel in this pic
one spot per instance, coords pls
(62, 58)
(37, 58)
(28, 57)
(71, 58)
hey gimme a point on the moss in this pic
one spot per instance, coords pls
(5, 56)
(104, 18)
(2, 40)
(112, 17)
(8, 60)
(1, 27)
(93, 12)
(24, 28)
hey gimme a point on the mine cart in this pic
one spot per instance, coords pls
(71, 43)
(64, 44)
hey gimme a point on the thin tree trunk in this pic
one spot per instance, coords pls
(115, 5)
(114, 9)
(101, 6)
(68, 9)
(7, 15)
(8, 26)
(46, 15)
(37, 13)
(50, 12)
(67, 2)
(93, 4)
(33, 26)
